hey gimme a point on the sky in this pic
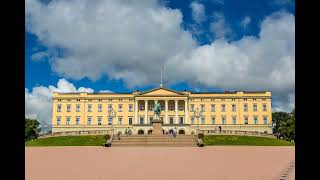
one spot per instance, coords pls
(120, 45)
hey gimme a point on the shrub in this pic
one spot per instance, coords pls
(106, 137)
(200, 136)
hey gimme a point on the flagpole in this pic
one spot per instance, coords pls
(161, 76)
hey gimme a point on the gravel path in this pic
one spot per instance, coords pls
(155, 163)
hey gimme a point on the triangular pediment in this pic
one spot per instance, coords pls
(161, 92)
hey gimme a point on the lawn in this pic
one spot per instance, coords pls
(90, 140)
(214, 140)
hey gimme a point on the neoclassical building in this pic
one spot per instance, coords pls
(242, 111)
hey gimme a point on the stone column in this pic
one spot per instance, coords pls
(176, 111)
(186, 112)
(146, 111)
(136, 112)
(166, 108)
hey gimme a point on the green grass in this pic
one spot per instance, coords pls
(89, 140)
(216, 140)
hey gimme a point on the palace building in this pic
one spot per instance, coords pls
(239, 111)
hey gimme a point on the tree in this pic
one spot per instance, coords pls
(285, 124)
(31, 129)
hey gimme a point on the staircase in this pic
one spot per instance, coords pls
(155, 141)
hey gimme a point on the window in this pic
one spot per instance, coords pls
(58, 120)
(99, 120)
(141, 120)
(203, 120)
(68, 108)
(89, 107)
(120, 120)
(180, 107)
(213, 120)
(109, 107)
(192, 107)
(223, 120)
(77, 120)
(59, 108)
(89, 120)
(68, 120)
(120, 108)
(245, 120)
(213, 108)
(130, 120)
(192, 120)
(141, 107)
(245, 107)
(202, 108)
(255, 107)
(78, 108)
(171, 120)
(223, 108)
(234, 109)
(264, 107)
(151, 119)
(161, 107)
(234, 120)
(180, 120)
(151, 107)
(130, 108)
(99, 107)
(264, 120)
(255, 120)
(109, 121)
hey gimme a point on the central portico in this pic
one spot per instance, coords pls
(174, 105)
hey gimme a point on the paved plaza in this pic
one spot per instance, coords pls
(158, 163)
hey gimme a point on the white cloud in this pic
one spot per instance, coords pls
(105, 91)
(130, 41)
(198, 12)
(245, 22)
(286, 105)
(266, 62)
(124, 39)
(219, 27)
(39, 56)
(38, 102)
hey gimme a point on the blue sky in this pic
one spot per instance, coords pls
(123, 53)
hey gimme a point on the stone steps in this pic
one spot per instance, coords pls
(155, 141)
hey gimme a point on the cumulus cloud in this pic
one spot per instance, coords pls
(198, 12)
(39, 56)
(245, 22)
(38, 102)
(130, 41)
(123, 39)
(219, 27)
(266, 62)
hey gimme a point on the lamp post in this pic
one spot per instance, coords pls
(197, 114)
(112, 114)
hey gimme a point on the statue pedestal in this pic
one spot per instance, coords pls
(157, 127)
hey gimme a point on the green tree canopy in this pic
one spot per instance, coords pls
(285, 124)
(31, 129)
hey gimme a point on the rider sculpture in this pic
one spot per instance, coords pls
(157, 110)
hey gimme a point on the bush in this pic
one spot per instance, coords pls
(106, 137)
(200, 136)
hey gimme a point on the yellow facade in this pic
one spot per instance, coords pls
(226, 109)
